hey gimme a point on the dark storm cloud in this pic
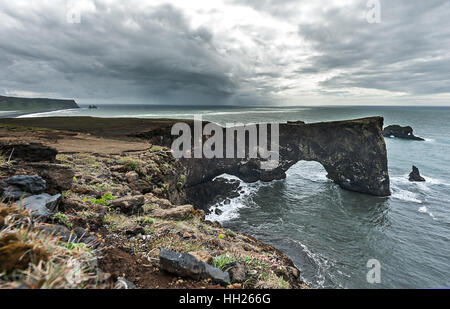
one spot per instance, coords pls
(158, 54)
(121, 53)
(406, 52)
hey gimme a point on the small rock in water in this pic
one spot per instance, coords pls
(415, 175)
(185, 265)
(42, 205)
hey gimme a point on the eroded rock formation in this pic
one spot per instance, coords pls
(401, 132)
(353, 153)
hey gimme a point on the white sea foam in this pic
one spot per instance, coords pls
(424, 210)
(231, 210)
(63, 112)
(405, 195)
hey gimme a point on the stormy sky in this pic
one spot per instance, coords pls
(239, 52)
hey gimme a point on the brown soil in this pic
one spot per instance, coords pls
(119, 263)
(70, 142)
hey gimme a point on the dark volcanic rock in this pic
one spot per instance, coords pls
(42, 205)
(32, 152)
(353, 153)
(400, 132)
(17, 187)
(207, 194)
(415, 175)
(31, 184)
(185, 265)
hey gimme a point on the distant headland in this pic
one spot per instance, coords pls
(25, 105)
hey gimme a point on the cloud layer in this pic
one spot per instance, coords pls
(226, 52)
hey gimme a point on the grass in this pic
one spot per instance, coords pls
(129, 163)
(222, 260)
(62, 219)
(32, 259)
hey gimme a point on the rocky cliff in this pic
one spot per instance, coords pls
(353, 152)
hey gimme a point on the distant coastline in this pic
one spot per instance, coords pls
(23, 106)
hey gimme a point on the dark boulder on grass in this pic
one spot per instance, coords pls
(401, 132)
(185, 265)
(21, 186)
(415, 175)
(42, 205)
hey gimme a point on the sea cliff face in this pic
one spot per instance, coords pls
(353, 152)
(34, 104)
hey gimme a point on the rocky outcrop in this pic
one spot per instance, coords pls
(400, 132)
(207, 194)
(185, 265)
(415, 175)
(353, 153)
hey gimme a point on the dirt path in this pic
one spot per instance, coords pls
(71, 142)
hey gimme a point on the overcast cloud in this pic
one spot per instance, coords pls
(237, 52)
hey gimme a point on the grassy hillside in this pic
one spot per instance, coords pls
(25, 104)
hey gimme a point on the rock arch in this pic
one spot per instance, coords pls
(353, 153)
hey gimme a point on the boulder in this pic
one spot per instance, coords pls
(415, 175)
(177, 213)
(185, 265)
(42, 205)
(31, 184)
(13, 193)
(30, 152)
(400, 132)
(130, 204)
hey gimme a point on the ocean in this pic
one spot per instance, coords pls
(330, 233)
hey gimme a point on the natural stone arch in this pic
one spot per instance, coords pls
(353, 153)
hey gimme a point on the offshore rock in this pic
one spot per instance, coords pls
(415, 175)
(400, 132)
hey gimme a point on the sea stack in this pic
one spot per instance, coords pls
(401, 132)
(415, 175)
